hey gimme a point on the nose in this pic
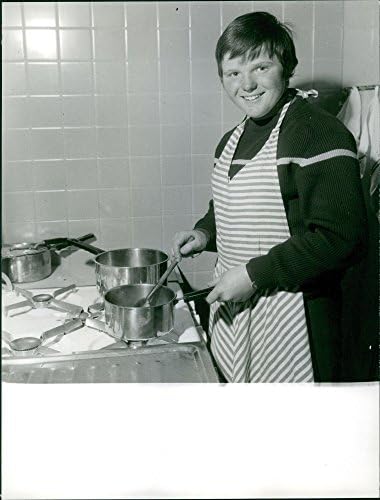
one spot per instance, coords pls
(249, 84)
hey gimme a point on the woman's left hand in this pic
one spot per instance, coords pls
(234, 285)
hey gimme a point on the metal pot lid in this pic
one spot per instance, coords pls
(20, 249)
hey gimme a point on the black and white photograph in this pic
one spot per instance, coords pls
(190, 249)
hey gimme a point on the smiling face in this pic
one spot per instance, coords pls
(254, 85)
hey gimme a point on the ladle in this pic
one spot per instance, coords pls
(31, 343)
(146, 301)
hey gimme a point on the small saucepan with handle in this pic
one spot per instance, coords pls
(126, 321)
(28, 262)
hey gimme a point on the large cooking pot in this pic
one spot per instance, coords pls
(127, 322)
(28, 262)
(125, 266)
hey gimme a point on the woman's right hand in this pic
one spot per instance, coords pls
(188, 243)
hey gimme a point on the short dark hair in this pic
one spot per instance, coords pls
(247, 35)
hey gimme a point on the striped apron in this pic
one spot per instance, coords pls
(265, 338)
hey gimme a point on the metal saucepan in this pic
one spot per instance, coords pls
(125, 321)
(125, 266)
(28, 262)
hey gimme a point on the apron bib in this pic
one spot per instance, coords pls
(264, 339)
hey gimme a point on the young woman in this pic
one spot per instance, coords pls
(287, 217)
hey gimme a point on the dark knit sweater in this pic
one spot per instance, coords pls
(322, 198)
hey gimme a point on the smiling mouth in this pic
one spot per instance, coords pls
(252, 98)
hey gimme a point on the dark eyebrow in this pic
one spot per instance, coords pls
(262, 63)
(268, 62)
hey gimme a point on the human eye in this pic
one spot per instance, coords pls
(262, 68)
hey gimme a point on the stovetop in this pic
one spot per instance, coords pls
(27, 321)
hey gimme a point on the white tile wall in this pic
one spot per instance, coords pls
(146, 202)
(112, 110)
(12, 46)
(145, 171)
(82, 174)
(50, 175)
(113, 172)
(39, 14)
(43, 78)
(14, 78)
(42, 44)
(11, 14)
(74, 14)
(176, 171)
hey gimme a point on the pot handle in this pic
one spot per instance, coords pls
(62, 240)
(84, 246)
(61, 243)
(65, 244)
(197, 294)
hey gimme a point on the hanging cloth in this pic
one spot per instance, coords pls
(369, 144)
(361, 115)
(350, 114)
(264, 339)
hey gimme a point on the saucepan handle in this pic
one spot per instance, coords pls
(197, 294)
(62, 240)
(65, 243)
(85, 246)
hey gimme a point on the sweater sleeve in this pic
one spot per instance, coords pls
(208, 226)
(332, 208)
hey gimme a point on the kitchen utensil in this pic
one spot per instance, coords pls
(146, 302)
(125, 321)
(31, 343)
(125, 266)
(28, 262)
(24, 262)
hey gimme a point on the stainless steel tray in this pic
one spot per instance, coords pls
(179, 363)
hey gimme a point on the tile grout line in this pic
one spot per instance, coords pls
(158, 39)
(95, 114)
(131, 220)
(191, 110)
(61, 106)
(94, 101)
(27, 96)
(129, 216)
(190, 24)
